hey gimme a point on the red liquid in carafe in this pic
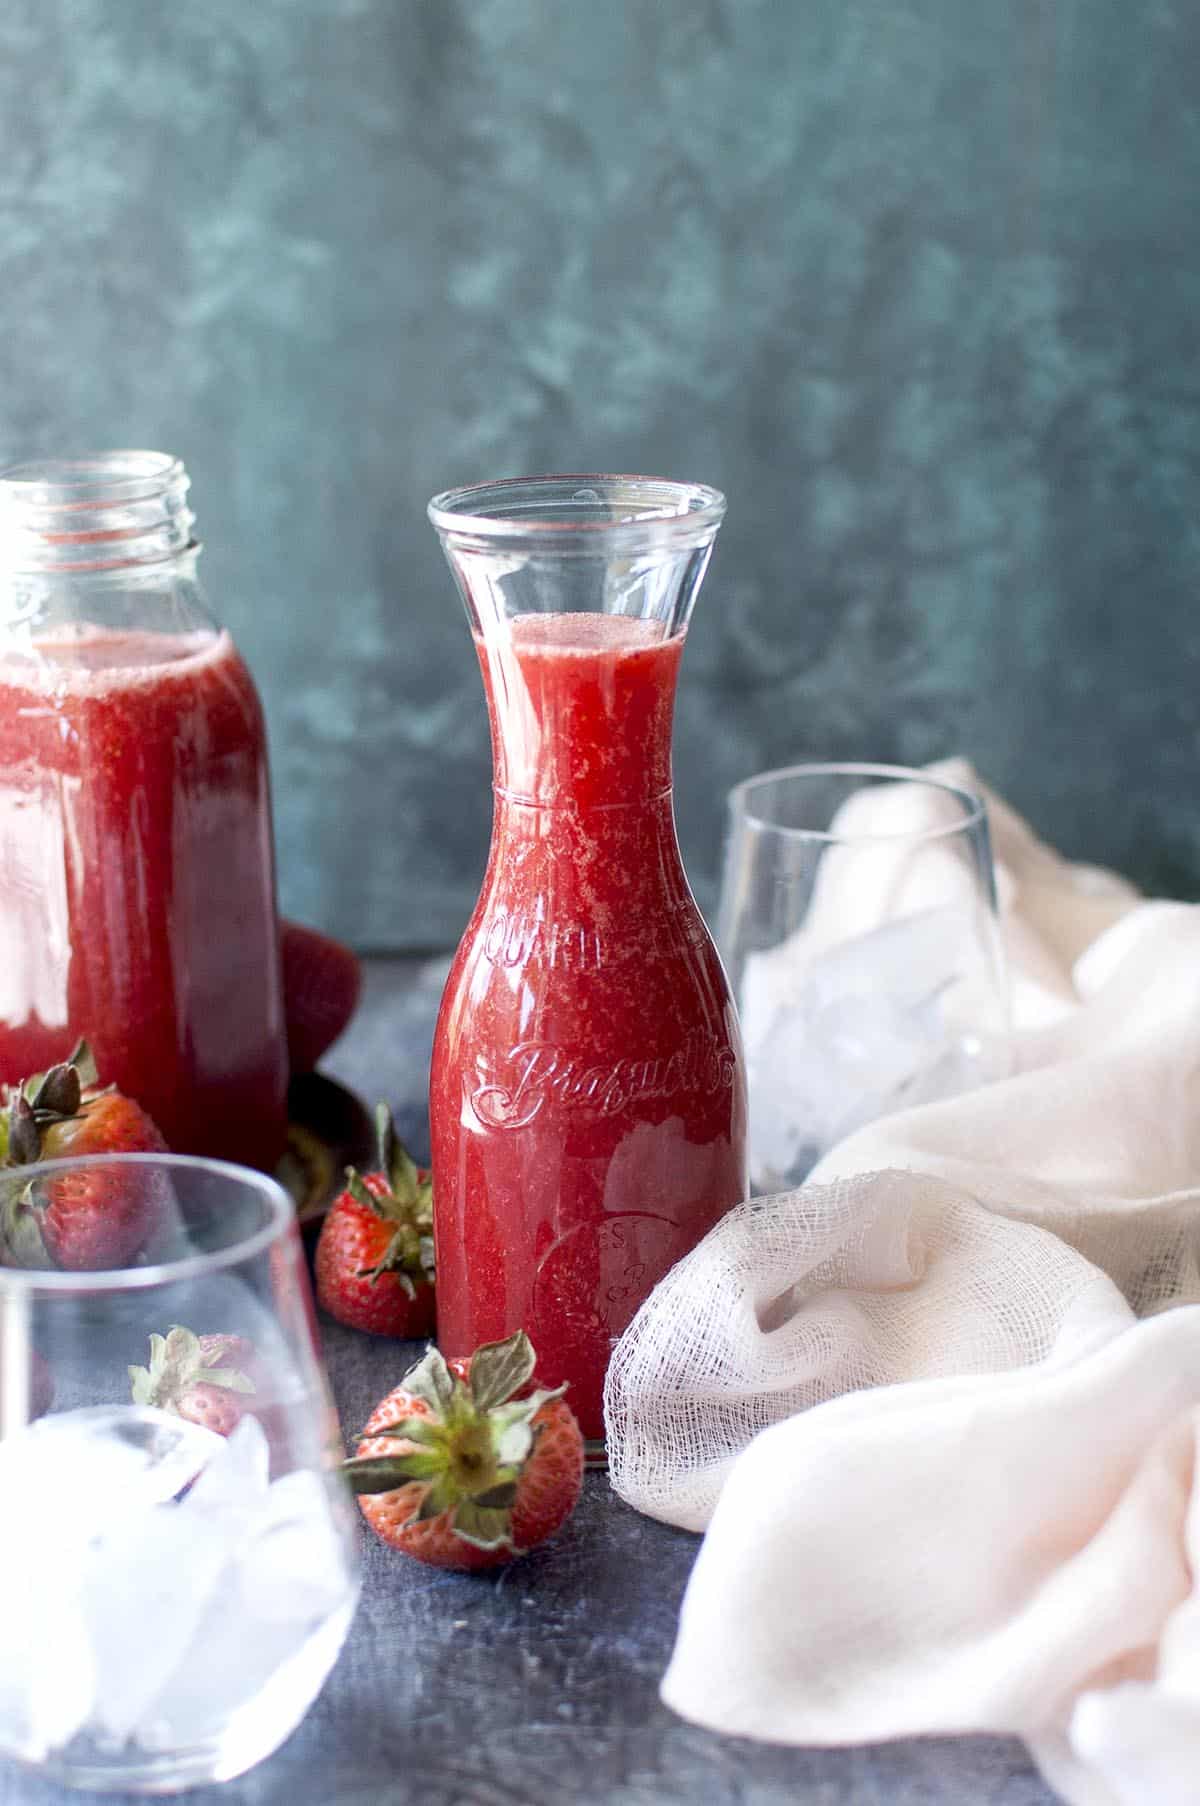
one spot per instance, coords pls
(587, 1101)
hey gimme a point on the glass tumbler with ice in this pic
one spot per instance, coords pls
(168, 1447)
(859, 927)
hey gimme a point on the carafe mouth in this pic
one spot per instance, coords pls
(589, 514)
(95, 513)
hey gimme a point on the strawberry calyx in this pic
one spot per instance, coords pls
(50, 1097)
(24, 1132)
(22, 1243)
(470, 1448)
(179, 1362)
(403, 1199)
(34, 1107)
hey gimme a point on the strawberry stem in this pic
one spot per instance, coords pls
(405, 1200)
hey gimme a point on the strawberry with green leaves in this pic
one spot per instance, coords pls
(462, 1466)
(209, 1380)
(374, 1260)
(84, 1221)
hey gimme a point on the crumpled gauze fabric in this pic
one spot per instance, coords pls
(932, 1405)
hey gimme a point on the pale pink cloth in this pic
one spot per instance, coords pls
(1011, 1553)
(991, 1520)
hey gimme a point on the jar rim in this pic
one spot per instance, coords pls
(97, 512)
(93, 477)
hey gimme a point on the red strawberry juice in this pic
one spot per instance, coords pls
(137, 898)
(587, 1100)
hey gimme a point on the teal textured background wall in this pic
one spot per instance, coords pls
(918, 285)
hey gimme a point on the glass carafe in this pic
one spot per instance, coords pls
(137, 888)
(587, 1098)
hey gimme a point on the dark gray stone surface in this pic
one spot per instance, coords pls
(385, 1054)
(919, 285)
(538, 1685)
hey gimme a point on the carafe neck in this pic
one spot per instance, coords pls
(579, 591)
(580, 708)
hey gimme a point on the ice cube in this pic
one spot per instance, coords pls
(67, 1483)
(146, 1591)
(911, 959)
(171, 1561)
(290, 1577)
(47, 1673)
(121, 1455)
(236, 1476)
(163, 1584)
(847, 1034)
(295, 1565)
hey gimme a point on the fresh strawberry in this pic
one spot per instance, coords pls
(85, 1220)
(374, 1262)
(321, 983)
(462, 1472)
(209, 1380)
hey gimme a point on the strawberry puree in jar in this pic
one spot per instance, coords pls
(137, 892)
(587, 1101)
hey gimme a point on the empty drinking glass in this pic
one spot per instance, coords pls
(181, 1564)
(858, 923)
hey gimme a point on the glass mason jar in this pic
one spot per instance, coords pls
(587, 1102)
(137, 885)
